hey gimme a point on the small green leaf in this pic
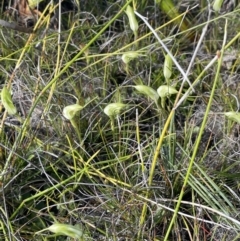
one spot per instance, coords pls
(165, 90)
(70, 111)
(114, 109)
(132, 18)
(167, 69)
(7, 101)
(148, 91)
(66, 229)
(234, 116)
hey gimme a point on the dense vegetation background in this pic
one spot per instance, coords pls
(147, 167)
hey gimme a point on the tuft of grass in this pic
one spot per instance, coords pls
(131, 163)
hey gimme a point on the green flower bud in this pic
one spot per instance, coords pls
(132, 19)
(67, 230)
(114, 109)
(217, 5)
(7, 101)
(34, 3)
(70, 111)
(128, 56)
(148, 91)
(167, 69)
(234, 116)
(165, 90)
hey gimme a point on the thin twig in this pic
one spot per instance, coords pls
(15, 26)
